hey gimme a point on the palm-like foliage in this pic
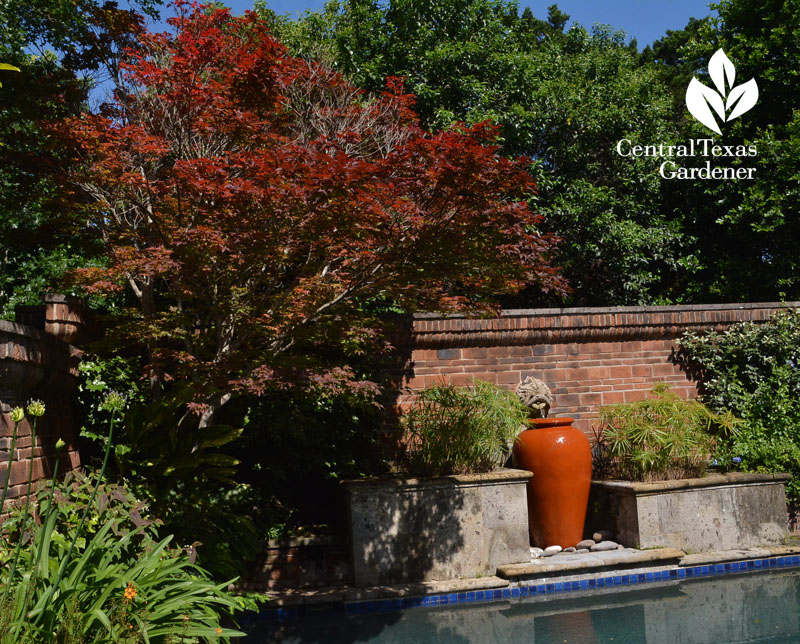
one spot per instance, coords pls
(662, 437)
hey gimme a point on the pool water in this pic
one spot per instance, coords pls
(752, 607)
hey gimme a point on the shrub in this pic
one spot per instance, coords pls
(121, 583)
(460, 430)
(82, 563)
(663, 437)
(752, 371)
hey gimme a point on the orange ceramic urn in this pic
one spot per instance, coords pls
(560, 458)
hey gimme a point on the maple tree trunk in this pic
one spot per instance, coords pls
(214, 406)
(147, 304)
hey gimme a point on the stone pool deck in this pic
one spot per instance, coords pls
(562, 571)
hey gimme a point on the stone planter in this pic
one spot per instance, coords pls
(412, 530)
(716, 512)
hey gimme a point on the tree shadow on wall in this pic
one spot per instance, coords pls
(405, 535)
(694, 372)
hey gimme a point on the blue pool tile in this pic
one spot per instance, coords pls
(435, 600)
(641, 578)
(648, 576)
(426, 601)
(592, 583)
(576, 585)
(719, 568)
(470, 596)
(523, 591)
(584, 584)
(479, 595)
(549, 588)
(515, 592)
(681, 573)
(452, 598)
(617, 580)
(633, 579)
(758, 563)
(657, 575)
(601, 582)
(773, 563)
(542, 588)
(462, 597)
(506, 593)
(559, 587)
(796, 559)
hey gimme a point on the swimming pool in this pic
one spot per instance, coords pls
(747, 607)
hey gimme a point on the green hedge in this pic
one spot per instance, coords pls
(752, 370)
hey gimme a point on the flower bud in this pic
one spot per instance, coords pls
(60, 444)
(36, 408)
(17, 414)
(114, 401)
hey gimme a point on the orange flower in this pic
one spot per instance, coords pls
(219, 630)
(130, 591)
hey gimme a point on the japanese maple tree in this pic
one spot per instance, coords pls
(260, 208)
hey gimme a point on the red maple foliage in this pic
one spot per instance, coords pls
(259, 205)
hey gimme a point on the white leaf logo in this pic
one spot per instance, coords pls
(727, 100)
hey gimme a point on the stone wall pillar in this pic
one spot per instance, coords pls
(36, 365)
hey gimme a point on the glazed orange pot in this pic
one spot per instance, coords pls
(560, 458)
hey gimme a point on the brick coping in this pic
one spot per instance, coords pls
(605, 310)
(579, 325)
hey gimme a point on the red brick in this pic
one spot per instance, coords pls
(508, 378)
(612, 397)
(598, 373)
(620, 372)
(633, 396)
(660, 370)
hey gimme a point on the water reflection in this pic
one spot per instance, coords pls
(726, 610)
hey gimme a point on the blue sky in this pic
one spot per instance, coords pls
(645, 20)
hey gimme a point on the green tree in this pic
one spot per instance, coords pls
(62, 50)
(563, 99)
(748, 231)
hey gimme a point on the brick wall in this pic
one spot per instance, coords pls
(303, 562)
(589, 357)
(37, 365)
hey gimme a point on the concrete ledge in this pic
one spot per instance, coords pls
(723, 556)
(711, 480)
(498, 476)
(572, 563)
(350, 594)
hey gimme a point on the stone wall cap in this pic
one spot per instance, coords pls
(712, 480)
(61, 298)
(497, 476)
